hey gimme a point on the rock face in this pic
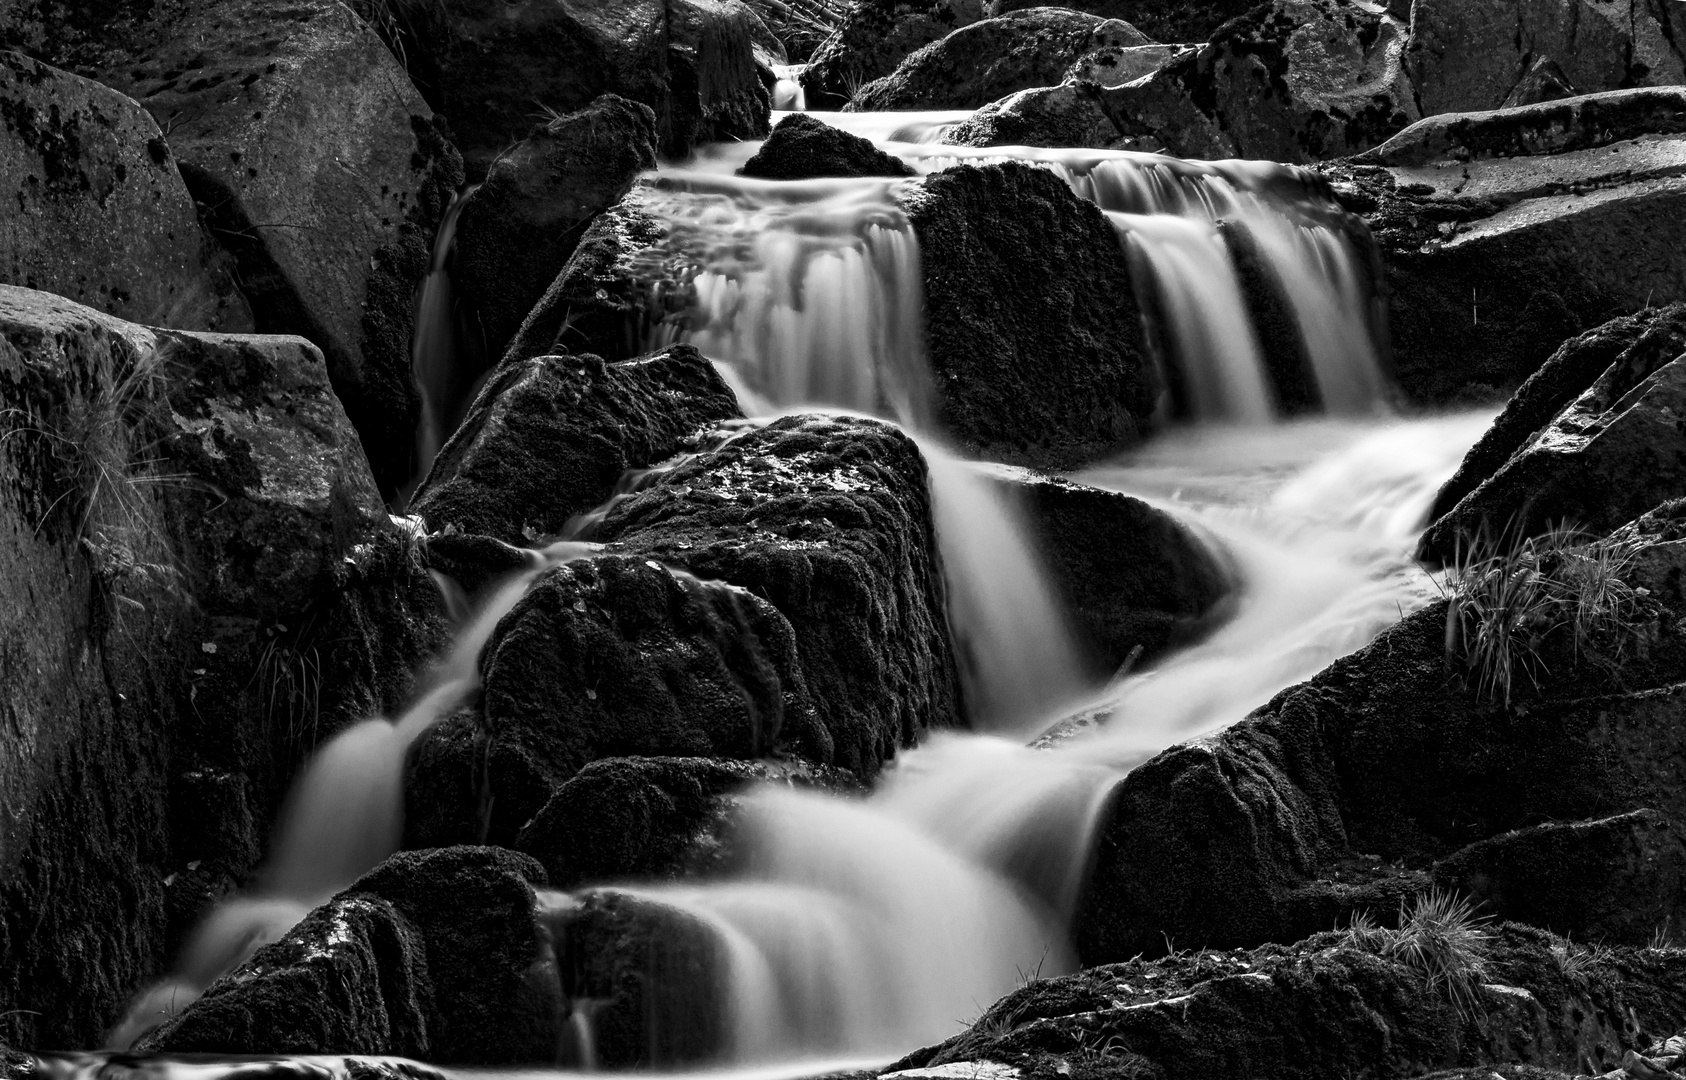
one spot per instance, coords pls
(96, 210)
(1613, 452)
(1494, 261)
(323, 173)
(1315, 1009)
(213, 585)
(1071, 114)
(1469, 56)
(490, 65)
(436, 954)
(803, 148)
(520, 225)
(875, 37)
(1163, 20)
(550, 437)
(1346, 791)
(1133, 577)
(989, 59)
(1039, 363)
(1640, 342)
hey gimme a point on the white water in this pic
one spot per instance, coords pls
(344, 815)
(433, 359)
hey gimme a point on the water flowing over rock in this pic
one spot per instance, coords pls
(437, 954)
(803, 148)
(520, 225)
(1041, 364)
(96, 210)
(550, 437)
(1317, 1008)
(989, 59)
(1493, 261)
(215, 586)
(320, 169)
(494, 67)
(1469, 56)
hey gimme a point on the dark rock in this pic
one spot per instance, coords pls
(1035, 362)
(1293, 81)
(1335, 1004)
(615, 656)
(521, 224)
(490, 66)
(1536, 130)
(1618, 880)
(829, 518)
(1133, 577)
(550, 437)
(1163, 20)
(803, 148)
(1612, 453)
(650, 819)
(434, 954)
(874, 37)
(322, 171)
(1643, 341)
(989, 59)
(96, 210)
(1282, 345)
(1545, 81)
(1468, 56)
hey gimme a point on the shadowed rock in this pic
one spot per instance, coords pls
(803, 148)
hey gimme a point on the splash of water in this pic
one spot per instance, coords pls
(343, 816)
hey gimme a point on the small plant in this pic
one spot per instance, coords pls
(1508, 607)
(1441, 936)
(1577, 961)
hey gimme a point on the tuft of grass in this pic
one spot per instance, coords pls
(1507, 608)
(1577, 961)
(1441, 936)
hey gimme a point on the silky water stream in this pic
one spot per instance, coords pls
(855, 929)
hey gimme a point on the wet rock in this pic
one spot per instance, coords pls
(875, 37)
(1070, 114)
(1163, 20)
(989, 59)
(96, 210)
(829, 519)
(1625, 886)
(1319, 1008)
(520, 225)
(651, 819)
(490, 67)
(803, 148)
(321, 170)
(1609, 455)
(435, 954)
(1468, 56)
(214, 585)
(550, 437)
(1116, 65)
(1039, 362)
(1293, 81)
(1136, 580)
(1492, 263)
(616, 656)
(1640, 342)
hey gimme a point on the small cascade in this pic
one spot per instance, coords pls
(434, 361)
(788, 95)
(343, 816)
(810, 292)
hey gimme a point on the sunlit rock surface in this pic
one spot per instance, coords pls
(96, 210)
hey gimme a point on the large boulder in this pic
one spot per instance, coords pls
(1348, 1002)
(1036, 362)
(1342, 793)
(520, 225)
(1070, 114)
(213, 584)
(439, 955)
(803, 148)
(96, 210)
(875, 36)
(320, 169)
(1465, 56)
(991, 58)
(1613, 452)
(1163, 20)
(1643, 341)
(1493, 261)
(491, 66)
(550, 437)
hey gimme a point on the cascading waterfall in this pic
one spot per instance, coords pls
(434, 363)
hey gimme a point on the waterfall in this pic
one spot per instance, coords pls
(434, 363)
(343, 816)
